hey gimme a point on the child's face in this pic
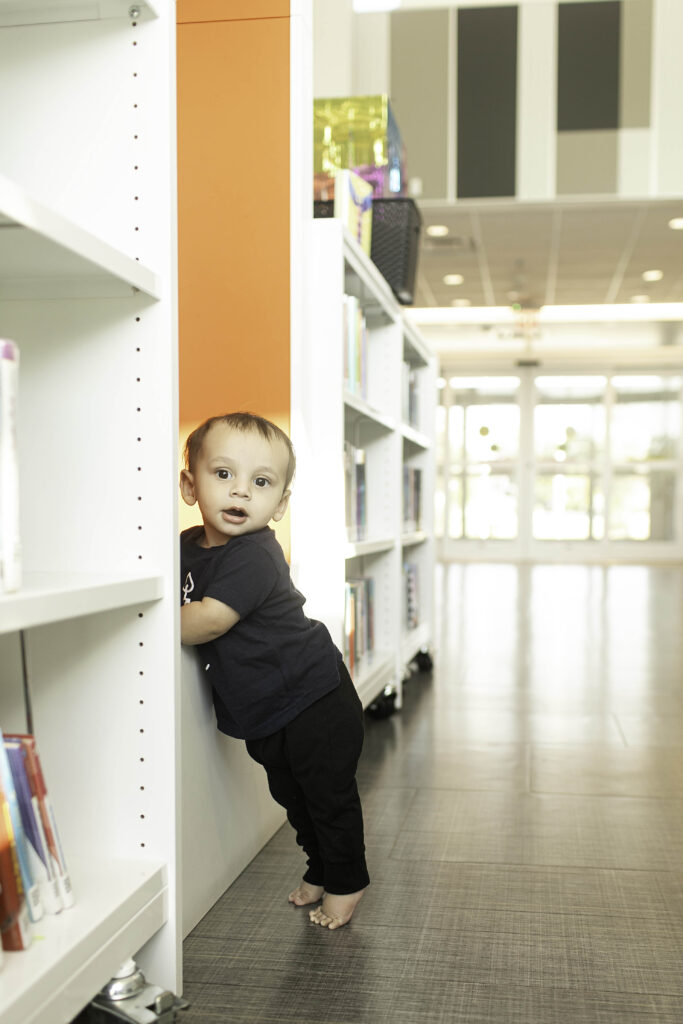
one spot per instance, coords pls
(238, 483)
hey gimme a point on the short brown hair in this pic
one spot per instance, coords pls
(244, 421)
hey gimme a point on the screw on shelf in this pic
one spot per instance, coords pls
(134, 12)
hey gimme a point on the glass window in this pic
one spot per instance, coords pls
(642, 506)
(491, 506)
(456, 433)
(492, 433)
(646, 418)
(568, 507)
(455, 525)
(569, 433)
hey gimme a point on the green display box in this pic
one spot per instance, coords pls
(360, 134)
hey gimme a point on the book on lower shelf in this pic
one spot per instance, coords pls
(411, 595)
(410, 409)
(33, 871)
(355, 347)
(355, 492)
(412, 498)
(359, 620)
(10, 539)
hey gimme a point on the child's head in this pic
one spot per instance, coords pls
(238, 468)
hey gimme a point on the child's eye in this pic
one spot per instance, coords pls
(261, 481)
(223, 474)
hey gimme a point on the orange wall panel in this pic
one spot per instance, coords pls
(230, 10)
(233, 209)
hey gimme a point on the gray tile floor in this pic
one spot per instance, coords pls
(524, 817)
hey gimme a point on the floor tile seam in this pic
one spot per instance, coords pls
(552, 793)
(528, 864)
(627, 796)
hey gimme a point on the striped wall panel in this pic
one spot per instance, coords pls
(466, 88)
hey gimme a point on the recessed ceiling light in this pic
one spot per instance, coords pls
(437, 230)
(676, 224)
(453, 279)
(460, 302)
(640, 298)
(653, 275)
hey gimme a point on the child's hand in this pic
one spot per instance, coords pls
(205, 620)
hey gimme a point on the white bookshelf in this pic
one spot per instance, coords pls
(328, 415)
(87, 283)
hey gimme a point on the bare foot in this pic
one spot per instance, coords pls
(305, 893)
(335, 910)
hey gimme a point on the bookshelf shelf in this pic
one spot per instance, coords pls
(45, 255)
(415, 537)
(415, 640)
(414, 437)
(120, 905)
(34, 12)
(369, 547)
(383, 478)
(373, 674)
(56, 597)
(87, 209)
(354, 404)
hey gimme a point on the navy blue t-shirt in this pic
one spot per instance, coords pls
(275, 661)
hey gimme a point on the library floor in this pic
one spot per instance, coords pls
(524, 816)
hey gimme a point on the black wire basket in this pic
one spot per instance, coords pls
(396, 226)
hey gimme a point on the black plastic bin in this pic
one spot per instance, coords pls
(396, 225)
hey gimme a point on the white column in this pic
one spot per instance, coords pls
(667, 88)
(537, 100)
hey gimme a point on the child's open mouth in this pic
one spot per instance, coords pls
(235, 515)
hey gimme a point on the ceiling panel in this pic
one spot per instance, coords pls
(566, 252)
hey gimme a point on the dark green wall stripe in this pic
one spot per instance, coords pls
(487, 100)
(588, 65)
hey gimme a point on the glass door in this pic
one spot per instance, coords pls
(551, 465)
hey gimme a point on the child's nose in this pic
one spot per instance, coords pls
(240, 487)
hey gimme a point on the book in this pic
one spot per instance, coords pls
(412, 498)
(355, 492)
(409, 395)
(355, 347)
(15, 923)
(359, 639)
(353, 205)
(42, 866)
(30, 885)
(10, 540)
(36, 779)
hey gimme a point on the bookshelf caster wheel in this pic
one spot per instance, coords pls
(424, 661)
(383, 706)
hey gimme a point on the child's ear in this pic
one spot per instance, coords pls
(282, 507)
(187, 487)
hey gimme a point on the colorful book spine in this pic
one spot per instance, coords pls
(355, 347)
(39, 856)
(359, 639)
(15, 922)
(31, 890)
(36, 780)
(10, 539)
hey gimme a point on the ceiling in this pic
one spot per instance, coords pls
(556, 253)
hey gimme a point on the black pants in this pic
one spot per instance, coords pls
(311, 767)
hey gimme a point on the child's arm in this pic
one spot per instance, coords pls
(205, 620)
